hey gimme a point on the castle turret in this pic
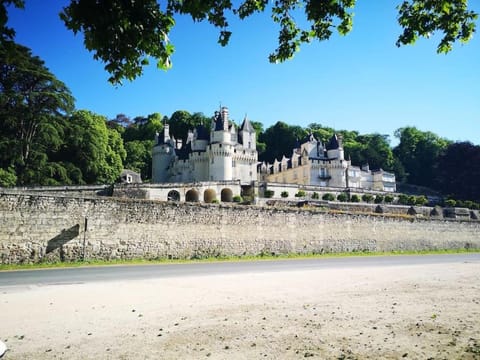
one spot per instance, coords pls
(163, 155)
(247, 135)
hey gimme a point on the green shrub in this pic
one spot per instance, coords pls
(412, 200)
(7, 177)
(389, 199)
(269, 193)
(300, 193)
(214, 201)
(379, 199)
(284, 194)
(237, 199)
(315, 195)
(355, 198)
(460, 203)
(403, 199)
(342, 197)
(367, 198)
(450, 203)
(328, 197)
(421, 200)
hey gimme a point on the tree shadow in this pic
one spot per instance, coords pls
(64, 237)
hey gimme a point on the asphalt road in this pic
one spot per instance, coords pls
(133, 272)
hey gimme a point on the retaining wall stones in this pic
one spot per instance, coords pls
(35, 228)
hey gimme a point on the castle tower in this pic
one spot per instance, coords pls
(163, 155)
(247, 135)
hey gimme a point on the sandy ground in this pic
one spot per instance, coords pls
(413, 312)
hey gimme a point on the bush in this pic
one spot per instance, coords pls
(389, 199)
(269, 193)
(7, 178)
(460, 203)
(476, 206)
(315, 196)
(367, 198)
(342, 197)
(355, 198)
(214, 201)
(412, 200)
(450, 203)
(300, 193)
(421, 200)
(237, 199)
(328, 197)
(403, 199)
(284, 194)
(379, 199)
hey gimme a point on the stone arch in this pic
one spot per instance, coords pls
(226, 195)
(192, 195)
(173, 195)
(209, 195)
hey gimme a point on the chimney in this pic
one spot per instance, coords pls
(224, 112)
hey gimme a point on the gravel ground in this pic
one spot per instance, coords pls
(412, 312)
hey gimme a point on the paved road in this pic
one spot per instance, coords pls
(133, 272)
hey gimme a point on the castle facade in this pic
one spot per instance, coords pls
(228, 153)
(224, 153)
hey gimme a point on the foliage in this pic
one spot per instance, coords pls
(450, 203)
(421, 200)
(237, 199)
(379, 199)
(424, 18)
(403, 199)
(411, 200)
(315, 195)
(280, 139)
(418, 152)
(7, 177)
(284, 194)
(139, 157)
(367, 198)
(342, 197)
(389, 199)
(269, 193)
(328, 197)
(355, 198)
(458, 171)
(300, 193)
(33, 105)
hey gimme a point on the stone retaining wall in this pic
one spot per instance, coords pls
(35, 228)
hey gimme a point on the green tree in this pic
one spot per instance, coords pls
(93, 148)
(458, 171)
(33, 109)
(125, 35)
(280, 139)
(418, 151)
(139, 157)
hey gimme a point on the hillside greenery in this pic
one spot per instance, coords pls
(44, 140)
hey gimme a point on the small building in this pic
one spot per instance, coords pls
(130, 177)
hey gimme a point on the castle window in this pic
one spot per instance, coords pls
(213, 160)
(249, 145)
(234, 163)
(219, 145)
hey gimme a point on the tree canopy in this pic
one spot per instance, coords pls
(126, 34)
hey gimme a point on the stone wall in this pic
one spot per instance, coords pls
(35, 228)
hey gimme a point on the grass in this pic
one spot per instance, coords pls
(262, 257)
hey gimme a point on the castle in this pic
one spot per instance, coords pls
(226, 153)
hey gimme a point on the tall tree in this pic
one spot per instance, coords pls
(458, 171)
(280, 139)
(33, 109)
(418, 151)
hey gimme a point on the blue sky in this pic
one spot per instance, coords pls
(359, 82)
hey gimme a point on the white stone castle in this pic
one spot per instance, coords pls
(224, 154)
(228, 153)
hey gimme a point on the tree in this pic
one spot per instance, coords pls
(94, 149)
(126, 34)
(458, 171)
(280, 139)
(33, 109)
(418, 152)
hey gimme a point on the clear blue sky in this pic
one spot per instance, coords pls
(359, 82)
